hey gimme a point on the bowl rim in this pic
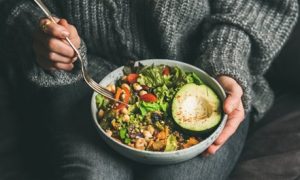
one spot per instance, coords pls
(160, 61)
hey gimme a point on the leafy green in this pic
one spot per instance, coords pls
(197, 80)
(127, 140)
(122, 133)
(152, 77)
(148, 107)
(164, 93)
(131, 68)
(163, 106)
(101, 101)
(193, 78)
(180, 77)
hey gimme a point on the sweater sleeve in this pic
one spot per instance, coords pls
(242, 38)
(21, 23)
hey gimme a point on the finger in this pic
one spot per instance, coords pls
(70, 28)
(62, 66)
(53, 29)
(74, 37)
(235, 93)
(212, 149)
(42, 51)
(234, 120)
(229, 129)
(52, 56)
(232, 100)
(53, 44)
(64, 23)
(59, 47)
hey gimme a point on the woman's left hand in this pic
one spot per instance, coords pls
(233, 107)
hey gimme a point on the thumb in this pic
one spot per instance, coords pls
(234, 91)
(231, 103)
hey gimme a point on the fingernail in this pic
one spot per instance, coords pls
(65, 33)
(74, 59)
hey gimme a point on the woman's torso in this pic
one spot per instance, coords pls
(119, 30)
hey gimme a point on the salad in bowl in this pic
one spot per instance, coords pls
(171, 109)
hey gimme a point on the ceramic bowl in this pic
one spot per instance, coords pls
(149, 157)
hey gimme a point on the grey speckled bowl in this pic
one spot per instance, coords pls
(149, 157)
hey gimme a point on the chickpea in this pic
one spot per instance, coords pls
(124, 111)
(109, 133)
(125, 85)
(126, 118)
(111, 88)
(137, 87)
(140, 143)
(100, 113)
(124, 78)
(142, 92)
(147, 134)
(151, 129)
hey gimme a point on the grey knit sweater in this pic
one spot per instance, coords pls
(238, 38)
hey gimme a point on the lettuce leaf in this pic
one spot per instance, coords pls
(191, 77)
(146, 107)
(101, 101)
(152, 77)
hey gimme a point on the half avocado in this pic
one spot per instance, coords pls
(196, 108)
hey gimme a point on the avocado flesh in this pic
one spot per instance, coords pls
(196, 108)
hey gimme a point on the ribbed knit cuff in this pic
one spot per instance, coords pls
(225, 52)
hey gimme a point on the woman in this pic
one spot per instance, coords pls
(233, 40)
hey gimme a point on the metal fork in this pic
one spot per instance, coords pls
(93, 84)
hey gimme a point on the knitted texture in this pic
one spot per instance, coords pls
(238, 38)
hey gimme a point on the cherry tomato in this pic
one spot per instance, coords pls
(148, 97)
(132, 78)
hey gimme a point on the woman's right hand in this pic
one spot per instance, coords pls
(51, 48)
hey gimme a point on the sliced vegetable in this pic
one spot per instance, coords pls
(118, 93)
(148, 97)
(171, 143)
(161, 135)
(126, 99)
(166, 71)
(196, 108)
(191, 142)
(132, 78)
